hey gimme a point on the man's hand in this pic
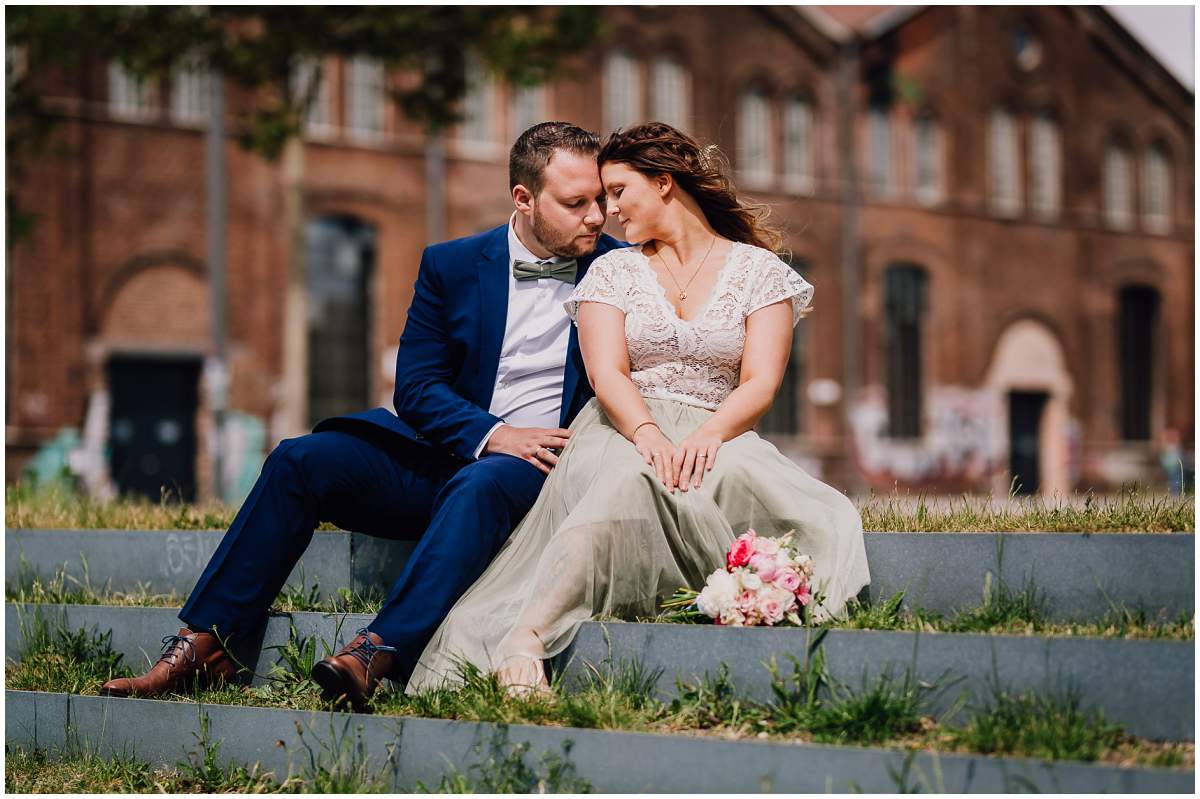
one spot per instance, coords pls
(537, 445)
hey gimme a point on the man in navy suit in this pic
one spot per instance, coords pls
(488, 376)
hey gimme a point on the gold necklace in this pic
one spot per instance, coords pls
(683, 289)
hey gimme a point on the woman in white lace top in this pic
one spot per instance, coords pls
(686, 338)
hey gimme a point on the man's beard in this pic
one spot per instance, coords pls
(560, 244)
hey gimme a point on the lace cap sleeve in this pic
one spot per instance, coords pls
(777, 281)
(604, 282)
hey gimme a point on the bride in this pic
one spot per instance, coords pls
(685, 338)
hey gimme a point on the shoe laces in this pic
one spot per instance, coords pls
(170, 642)
(366, 649)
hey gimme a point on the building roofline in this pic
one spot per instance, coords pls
(1133, 41)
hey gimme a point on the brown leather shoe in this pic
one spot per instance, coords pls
(354, 673)
(187, 658)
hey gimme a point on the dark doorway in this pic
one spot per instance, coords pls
(1024, 425)
(152, 428)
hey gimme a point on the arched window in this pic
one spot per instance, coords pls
(1156, 189)
(1045, 167)
(799, 174)
(364, 98)
(1118, 186)
(905, 303)
(880, 166)
(670, 93)
(786, 414)
(526, 109)
(622, 91)
(756, 158)
(340, 257)
(1004, 158)
(1137, 325)
(927, 159)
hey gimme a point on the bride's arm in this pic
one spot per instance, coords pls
(606, 357)
(764, 360)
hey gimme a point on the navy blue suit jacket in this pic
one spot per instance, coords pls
(450, 349)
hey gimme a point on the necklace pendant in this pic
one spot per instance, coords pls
(683, 295)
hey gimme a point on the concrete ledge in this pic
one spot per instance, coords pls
(1148, 686)
(1080, 574)
(170, 561)
(410, 749)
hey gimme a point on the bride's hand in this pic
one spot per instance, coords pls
(695, 455)
(657, 450)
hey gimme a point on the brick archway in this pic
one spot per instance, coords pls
(1029, 359)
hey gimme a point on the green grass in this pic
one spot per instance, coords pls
(42, 771)
(1129, 511)
(65, 589)
(58, 659)
(1055, 727)
(503, 770)
(891, 709)
(1003, 610)
(500, 767)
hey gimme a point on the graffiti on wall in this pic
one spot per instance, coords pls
(964, 441)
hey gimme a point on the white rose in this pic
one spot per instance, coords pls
(719, 591)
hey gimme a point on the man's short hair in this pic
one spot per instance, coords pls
(533, 149)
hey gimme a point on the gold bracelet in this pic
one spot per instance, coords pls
(640, 426)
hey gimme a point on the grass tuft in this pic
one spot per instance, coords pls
(58, 659)
(504, 770)
(1055, 726)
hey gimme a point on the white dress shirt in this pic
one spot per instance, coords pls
(533, 357)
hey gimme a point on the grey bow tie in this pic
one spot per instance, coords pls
(531, 270)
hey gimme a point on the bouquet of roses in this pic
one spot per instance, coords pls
(765, 582)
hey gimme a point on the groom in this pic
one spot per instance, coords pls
(488, 375)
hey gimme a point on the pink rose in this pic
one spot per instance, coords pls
(767, 546)
(803, 595)
(742, 550)
(788, 580)
(764, 566)
(771, 609)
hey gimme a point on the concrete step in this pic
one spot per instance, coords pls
(1080, 575)
(406, 750)
(170, 561)
(1146, 685)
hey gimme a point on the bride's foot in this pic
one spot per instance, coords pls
(524, 676)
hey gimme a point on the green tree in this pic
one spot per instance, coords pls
(259, 47)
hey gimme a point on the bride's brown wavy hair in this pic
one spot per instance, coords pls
(656, 148)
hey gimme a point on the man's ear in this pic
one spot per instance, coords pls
(522, 198)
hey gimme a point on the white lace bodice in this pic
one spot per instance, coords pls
(697, 361)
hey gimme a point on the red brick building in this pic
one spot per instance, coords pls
(993, 203)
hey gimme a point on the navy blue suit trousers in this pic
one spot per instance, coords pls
(459, 513)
